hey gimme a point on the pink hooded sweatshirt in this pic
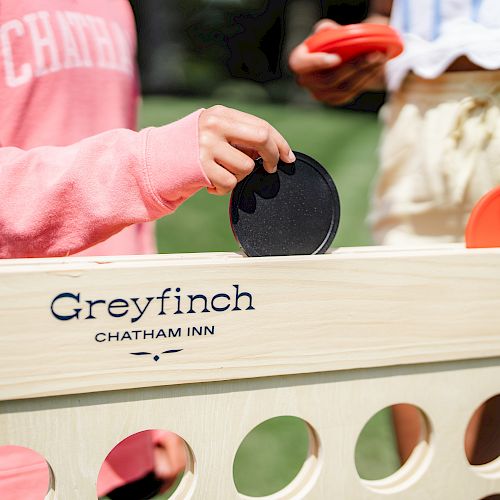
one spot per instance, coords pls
(74, 176)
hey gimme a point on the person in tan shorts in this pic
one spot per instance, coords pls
(440, 150)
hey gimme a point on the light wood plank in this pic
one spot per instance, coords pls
(344, 310)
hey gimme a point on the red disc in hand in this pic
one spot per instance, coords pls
(356, 39)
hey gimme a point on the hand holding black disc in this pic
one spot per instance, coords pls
(295, 211)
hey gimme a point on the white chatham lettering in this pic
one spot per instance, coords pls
(124, 49)
(79, 23)
(25, 73)
(72, 56)
(106, 55)
(62, 40)
(42, 43)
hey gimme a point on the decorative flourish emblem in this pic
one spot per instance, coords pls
(156, 357)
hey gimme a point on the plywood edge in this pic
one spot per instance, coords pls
(228, 258)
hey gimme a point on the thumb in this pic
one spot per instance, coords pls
(302, 61)
(325, 24)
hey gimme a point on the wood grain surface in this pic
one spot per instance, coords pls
(349, 309)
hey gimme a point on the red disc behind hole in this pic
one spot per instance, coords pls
(483, 227)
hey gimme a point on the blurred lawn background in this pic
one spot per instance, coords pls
(345, 142)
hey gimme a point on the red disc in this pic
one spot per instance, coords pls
(483, 227)
(356, 39)
(356, 30)
(350, 49)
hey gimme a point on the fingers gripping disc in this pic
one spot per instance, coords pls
(295, 211)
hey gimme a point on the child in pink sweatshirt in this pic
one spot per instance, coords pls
(76, 178)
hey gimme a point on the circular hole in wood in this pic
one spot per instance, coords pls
(279, 456)
(482, 438)
(151, 464)
(393, 448)
(25, 474)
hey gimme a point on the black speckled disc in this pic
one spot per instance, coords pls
(295, 211)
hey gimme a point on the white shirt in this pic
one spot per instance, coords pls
(437, 32)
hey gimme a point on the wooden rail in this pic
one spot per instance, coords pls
(211, 345)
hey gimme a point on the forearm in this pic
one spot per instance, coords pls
(60, 200)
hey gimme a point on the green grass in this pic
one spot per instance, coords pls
(345, 143)
(270, 456)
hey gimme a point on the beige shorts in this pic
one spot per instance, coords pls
(440, 153)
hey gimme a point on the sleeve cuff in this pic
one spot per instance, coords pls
(173, 164)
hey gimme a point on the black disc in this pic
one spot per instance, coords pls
(295, 211)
